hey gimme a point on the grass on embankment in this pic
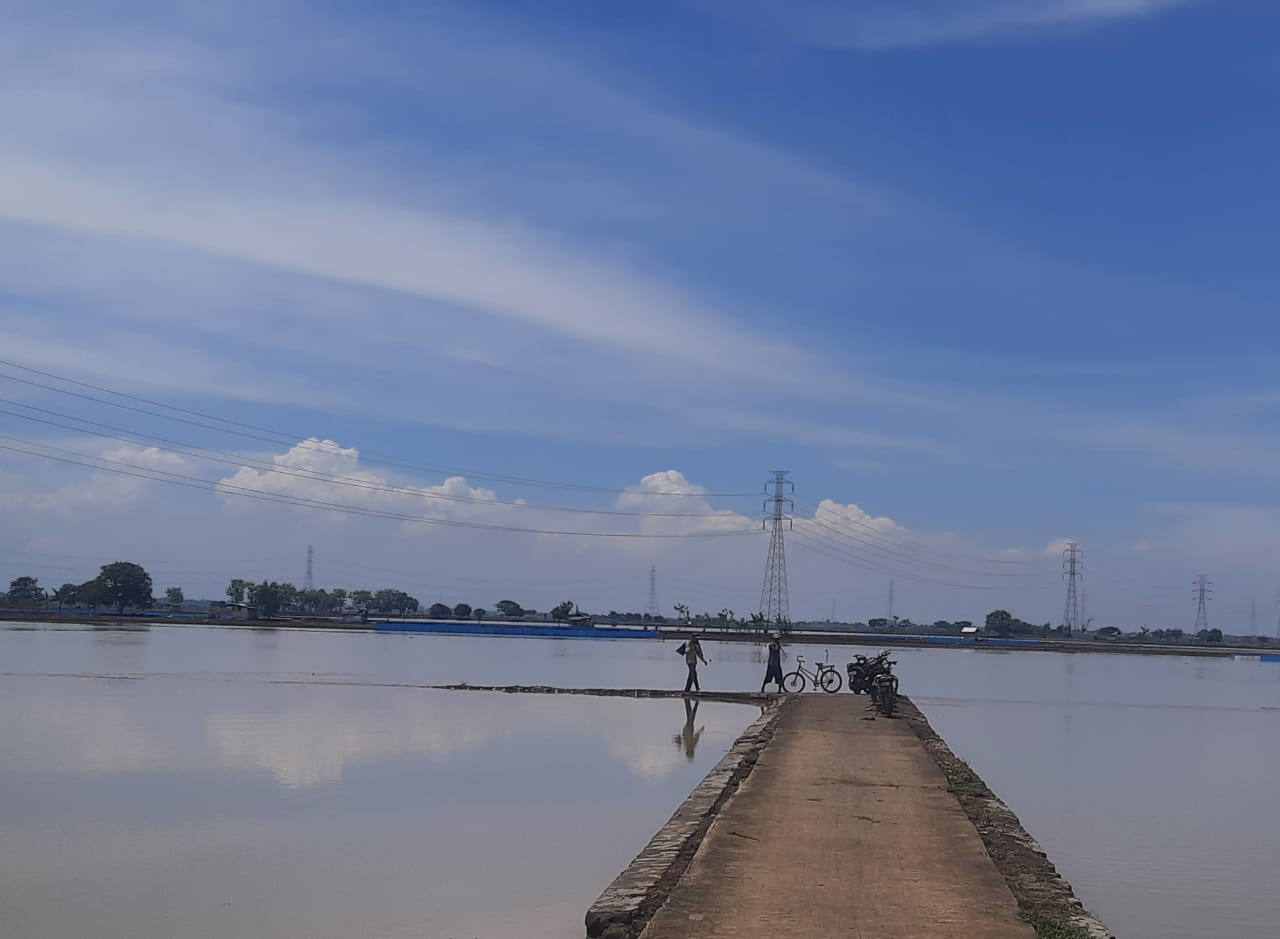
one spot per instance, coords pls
(1048, 928)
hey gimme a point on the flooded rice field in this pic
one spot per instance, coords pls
(190, 781)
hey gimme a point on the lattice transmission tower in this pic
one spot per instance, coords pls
(651, 609)
(1203, 590)
(774, 602)
(1072, 572)
(309, 581)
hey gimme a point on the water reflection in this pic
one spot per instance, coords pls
(687, 739)
(1143, 777)
(161, 807)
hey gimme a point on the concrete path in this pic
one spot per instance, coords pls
(844, 828)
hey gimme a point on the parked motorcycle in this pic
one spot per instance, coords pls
(884, 690)
(863, 670)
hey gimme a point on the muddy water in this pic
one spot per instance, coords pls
(164, 782)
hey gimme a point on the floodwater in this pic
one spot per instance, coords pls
(198, 797)
(185, 781)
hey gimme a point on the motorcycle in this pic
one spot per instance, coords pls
(863, 670)
(884, 690)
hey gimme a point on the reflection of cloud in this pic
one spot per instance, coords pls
(310, 736)
(304, 747)
(654, 759)
(309, 743)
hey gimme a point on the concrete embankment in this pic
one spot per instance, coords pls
(827, 820)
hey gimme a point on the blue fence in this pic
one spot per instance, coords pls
(517, 629)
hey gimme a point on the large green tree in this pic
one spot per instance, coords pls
(174, 596)
(462, 611)
(561, 611)
(123, 583)
(67, 595)
(269, 598)
(509, 608)
(1000, 622)
(25, 590)
(439, 611)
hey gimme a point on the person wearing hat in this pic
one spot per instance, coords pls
(693, 652)
(773, 671)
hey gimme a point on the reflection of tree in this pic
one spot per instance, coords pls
(687, 739)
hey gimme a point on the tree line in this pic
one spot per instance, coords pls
(120, 584)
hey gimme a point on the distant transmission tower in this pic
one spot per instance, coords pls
(774, 602)
(1203, 591)
(1253, 616)
(1072, 571)
(652, 608)
(891, 600)
(309, 582)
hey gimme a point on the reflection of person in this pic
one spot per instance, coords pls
(773, 671)
(693, 652)
(687, 739)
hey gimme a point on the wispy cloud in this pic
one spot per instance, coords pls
(880, 24)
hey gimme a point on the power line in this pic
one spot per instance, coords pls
(900, 540)
(910, 559)
(205, 485)
(228, 458)
(899, 555)
(834, 550)
(255, 432)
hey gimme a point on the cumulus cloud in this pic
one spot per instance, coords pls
(101, 491)
(324, 471)
(669, 492)
(855, 517)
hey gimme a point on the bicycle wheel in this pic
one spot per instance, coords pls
(830, 681)
(793, 682)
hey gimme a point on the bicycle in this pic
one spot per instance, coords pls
(827, 677)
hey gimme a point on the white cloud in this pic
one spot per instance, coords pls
(323, 471)
(880, 24)
(99, 492)
(854, 517)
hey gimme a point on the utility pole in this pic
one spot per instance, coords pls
(1203, 590)
(652, 607)
(774, 601)
(309, 581)
(1072, 571)
(891, 600)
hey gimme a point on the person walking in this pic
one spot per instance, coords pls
(773, 671)
(692, 653)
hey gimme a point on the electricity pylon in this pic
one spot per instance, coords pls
(774, 602)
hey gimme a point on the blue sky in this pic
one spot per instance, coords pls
(996, 271)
